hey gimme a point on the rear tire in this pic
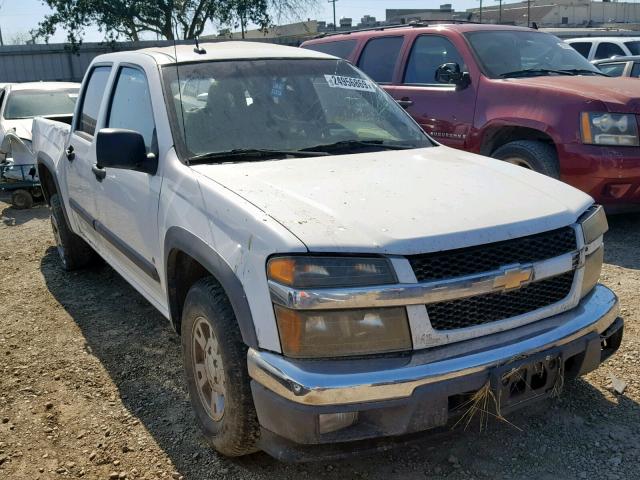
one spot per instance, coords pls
(537, 156)
(21, 199)
(74, 252)
(215, 363)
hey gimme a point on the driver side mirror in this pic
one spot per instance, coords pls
(450, 74)
(125, 149)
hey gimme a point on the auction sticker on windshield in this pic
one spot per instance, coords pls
(350, 83)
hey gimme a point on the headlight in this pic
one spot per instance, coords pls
(339, 333)
(309, 271)
(594, 226)
(603, 128)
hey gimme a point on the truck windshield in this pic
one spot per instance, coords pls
(40, 103)
(284, 107)
(517, 53)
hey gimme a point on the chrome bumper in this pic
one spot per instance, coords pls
(341, 382)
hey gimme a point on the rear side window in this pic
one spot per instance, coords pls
(131, 105)
(634, 47)
(608, 50)
(427, 54)
(341, 48)
(612, 69)
(379, 58)
(635, 72)
(583, 48)
(91, 100)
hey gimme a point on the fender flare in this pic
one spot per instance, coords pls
(500, 123)
(45, 162)
(178, 238)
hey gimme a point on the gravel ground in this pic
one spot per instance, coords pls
(91, 386)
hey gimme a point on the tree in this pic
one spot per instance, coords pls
(239, 13)
(169, 19)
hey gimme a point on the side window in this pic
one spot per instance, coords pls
(634, 47)
(91, 100)
(427, 54)
(379, 58)
(131, 106)
(612, 69)
(608, 50)
(341, 48)
(583, 48)
(635, 72)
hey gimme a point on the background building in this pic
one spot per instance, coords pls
(561, 13)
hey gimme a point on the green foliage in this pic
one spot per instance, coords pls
(169, 19)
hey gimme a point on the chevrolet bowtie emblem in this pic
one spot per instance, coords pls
(513, 278)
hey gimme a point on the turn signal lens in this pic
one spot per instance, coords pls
(282, 270)
(338, 333)
(308, 271)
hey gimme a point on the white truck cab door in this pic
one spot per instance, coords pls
(79, 156)
(127, 210)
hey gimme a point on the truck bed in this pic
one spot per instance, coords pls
(49, 137)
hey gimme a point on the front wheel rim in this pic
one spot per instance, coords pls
(208, 369)
(520, 162)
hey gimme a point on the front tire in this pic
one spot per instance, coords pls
(537, 156)
(215, 363)
(73, 251)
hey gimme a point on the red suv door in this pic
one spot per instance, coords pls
(444, 111)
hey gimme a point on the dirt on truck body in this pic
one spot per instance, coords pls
(91, 386)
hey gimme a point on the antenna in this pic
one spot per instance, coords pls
(175, 54)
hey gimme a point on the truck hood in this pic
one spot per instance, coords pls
(619, 94)
(401, 202)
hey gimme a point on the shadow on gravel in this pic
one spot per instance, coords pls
(12, 217)
(141, 353)
(622, 242)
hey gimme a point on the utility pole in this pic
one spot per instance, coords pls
(528, 13)
(335, 27)
(480, 11)
(500, 12)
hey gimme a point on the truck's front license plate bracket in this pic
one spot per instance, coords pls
(527, 380)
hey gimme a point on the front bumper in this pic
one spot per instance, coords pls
(396, 395)
(611, 175)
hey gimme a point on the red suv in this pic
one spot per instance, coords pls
(512, 93)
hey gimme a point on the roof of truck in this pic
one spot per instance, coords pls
(42, 86)
(227, 50)
(417, 27)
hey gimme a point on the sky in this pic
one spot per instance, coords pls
(20, 16)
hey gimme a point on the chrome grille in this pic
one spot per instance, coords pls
(482, 309)
(484, 258)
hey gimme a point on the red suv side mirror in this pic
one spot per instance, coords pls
(451, 74)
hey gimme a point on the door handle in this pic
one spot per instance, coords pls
(99, 172)
(70, 153)
(405, 102)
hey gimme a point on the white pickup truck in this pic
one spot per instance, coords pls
(336, 276)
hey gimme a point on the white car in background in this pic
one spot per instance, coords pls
(599, 48)
(20, 103)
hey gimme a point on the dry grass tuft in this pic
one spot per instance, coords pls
(485, 404)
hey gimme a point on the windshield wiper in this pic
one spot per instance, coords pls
(535, 71)
(584, 71)
(348, 144)
(251, 153)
